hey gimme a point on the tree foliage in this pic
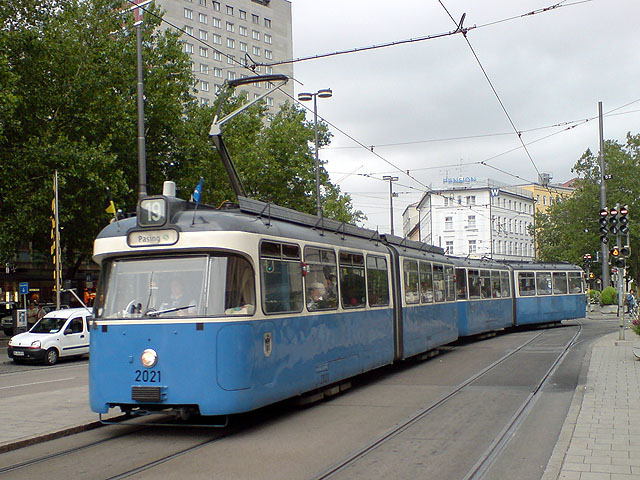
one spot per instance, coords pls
(570, 227)
(68, 103)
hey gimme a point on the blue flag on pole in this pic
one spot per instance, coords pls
(198, 191)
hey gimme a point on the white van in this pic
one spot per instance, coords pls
(61, 333)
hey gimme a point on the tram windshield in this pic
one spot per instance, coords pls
(185, 286)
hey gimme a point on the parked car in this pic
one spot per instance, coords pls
(8, 321)
(61, 333)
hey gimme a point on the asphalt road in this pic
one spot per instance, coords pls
(303, 443)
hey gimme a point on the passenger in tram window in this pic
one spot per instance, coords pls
(178, 300)
(317, 292)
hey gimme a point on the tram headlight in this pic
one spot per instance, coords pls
(149, 358)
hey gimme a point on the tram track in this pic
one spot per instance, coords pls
(485, 461)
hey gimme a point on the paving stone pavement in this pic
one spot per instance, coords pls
(600, 439)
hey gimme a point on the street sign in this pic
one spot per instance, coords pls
(24, 288)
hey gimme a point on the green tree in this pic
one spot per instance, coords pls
(70, 106)
(570, 227)
(68, 103)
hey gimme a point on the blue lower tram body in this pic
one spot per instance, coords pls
(223, 367)
(550, 308)
(481, 316)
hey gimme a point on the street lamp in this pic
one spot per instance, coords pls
(390, 179)
(305, 97)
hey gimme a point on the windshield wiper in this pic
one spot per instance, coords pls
(156, 313)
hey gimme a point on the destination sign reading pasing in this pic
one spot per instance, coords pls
(149, 238)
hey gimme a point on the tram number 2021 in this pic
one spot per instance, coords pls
(151, 376)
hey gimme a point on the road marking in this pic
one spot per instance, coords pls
(38, 383)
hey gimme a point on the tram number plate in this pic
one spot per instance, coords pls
(18, 353)
(150, 376)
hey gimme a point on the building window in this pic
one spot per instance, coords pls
(204, 86)
(217, 56)
(217, 39)
(204, 52)
(270, 101)
(242, 31)
(472, 246)
(230, 27)
(244, 47)
(255, 19)
(216, 22)
(217, 72)
(256, 50)
(216, 6)
(449, 247)
(448, 223)
(231, 60)
(231, 43)
(204, 68)
(188, 13)
(188, 30)
(202, 18)
(471, 221)
(202, 3)
(243, 14)
(204, 101)
(255, 34)
(188, 48)
(268, 54)
(229, 10)
(471, 200)
(268, 70)
(203, 35)
(267, 23)
(267, 38)
(231, 75)
(544, 200)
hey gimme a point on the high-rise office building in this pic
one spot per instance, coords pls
(226, 38)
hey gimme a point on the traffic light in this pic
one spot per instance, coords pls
(604, 223)
(620, 263)
(613, 221)
(625, 251)
(623, 220)
(615, 252)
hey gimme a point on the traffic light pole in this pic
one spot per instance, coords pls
(603, 203)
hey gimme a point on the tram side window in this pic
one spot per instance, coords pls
(240, 295)
(474, 284)
(411, 289)
(575, 282)
(560, 283)
(426, 283)
(461, 284)
(505, 286)
(495, 284)
(321, 283)
(526, 284)
(377, 281)
(281, 277)
(543, 283)
(449, 282)
(485, 283)
(438, 283)
(352, 281)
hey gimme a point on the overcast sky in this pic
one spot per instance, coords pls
(425, 99)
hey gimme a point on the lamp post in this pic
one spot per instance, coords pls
(390, 179)
(305, 97)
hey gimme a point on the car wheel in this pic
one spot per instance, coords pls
(51, 358)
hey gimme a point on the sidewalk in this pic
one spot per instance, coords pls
(600, 439)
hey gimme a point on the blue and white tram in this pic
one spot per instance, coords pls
(548, 292)
(249, 327)
(484, 296)
(425, 296)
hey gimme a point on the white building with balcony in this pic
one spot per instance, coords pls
(478, 218)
